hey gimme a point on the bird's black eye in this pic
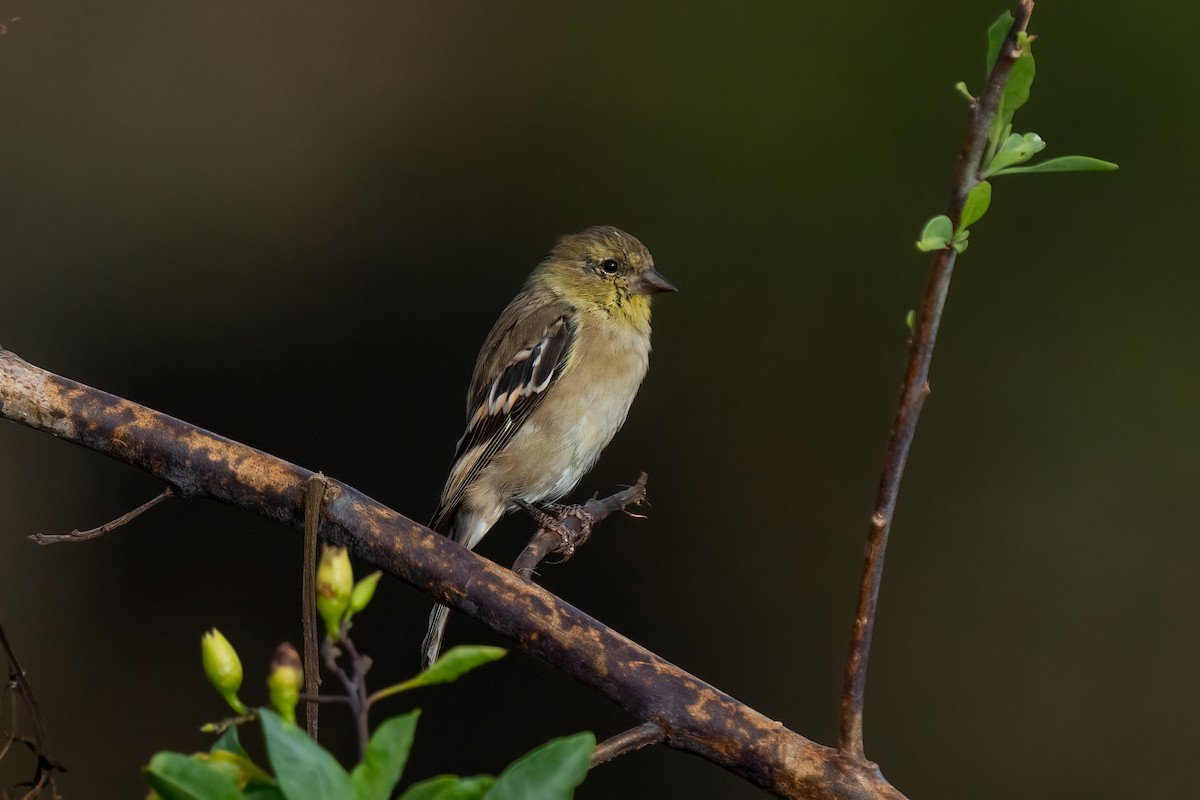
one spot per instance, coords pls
(610, 265)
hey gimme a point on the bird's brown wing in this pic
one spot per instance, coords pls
(523, 357)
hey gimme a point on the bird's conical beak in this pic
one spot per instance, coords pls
(652, 282)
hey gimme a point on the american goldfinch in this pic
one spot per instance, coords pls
(551, 387)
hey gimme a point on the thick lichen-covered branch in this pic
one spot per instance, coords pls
(693, 715)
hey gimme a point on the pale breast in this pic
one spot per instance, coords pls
(563, 439)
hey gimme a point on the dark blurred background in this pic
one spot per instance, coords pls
(293, 223)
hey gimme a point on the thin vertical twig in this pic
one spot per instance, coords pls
(314, 494)
(915, 390)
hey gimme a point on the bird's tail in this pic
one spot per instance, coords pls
(466, 529)
(432, 646)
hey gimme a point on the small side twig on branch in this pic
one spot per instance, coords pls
(92, 533)
(626, 742)
(565, 528)
(915, 390)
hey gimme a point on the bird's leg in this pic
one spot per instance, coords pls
(540, 516)
(573, 524)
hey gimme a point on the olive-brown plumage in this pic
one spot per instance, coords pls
(552, 385)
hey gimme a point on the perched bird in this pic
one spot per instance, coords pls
(551, 387)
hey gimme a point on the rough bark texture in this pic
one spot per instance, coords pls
(696, 717)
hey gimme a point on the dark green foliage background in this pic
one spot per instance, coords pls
(293, 223)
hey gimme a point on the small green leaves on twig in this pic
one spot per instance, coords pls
(1005, 150)
(453, 664)
(937, 234)
(978, 200)
(1063, 164)
(362, 593)
(303, 770)
(995, 35)
(1016, 90)
(1016, 149)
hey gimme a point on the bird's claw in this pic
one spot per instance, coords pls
(569, 537)
(553, 517)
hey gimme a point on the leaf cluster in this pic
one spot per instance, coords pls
(303, 770)
(1006, 151)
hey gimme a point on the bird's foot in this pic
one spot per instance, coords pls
(572, 524)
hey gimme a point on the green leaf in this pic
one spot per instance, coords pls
(1017, 149)
(454, 663)
(1063, 164)
(1016, 88)
(936, 234)
(305, 770)
(976, 205)
(996, 33)
(229, 742)
(387, 753)
(262, 793)
(959, 242)
(239, 767)
(998, 133)
(178, 777)
(961, 88)
(362, 593)
(549, 772)
(449, 787)
(910, 320)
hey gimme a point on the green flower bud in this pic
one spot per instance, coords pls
(223, 668)
(363, 591)
(335, 581)
(285, 681)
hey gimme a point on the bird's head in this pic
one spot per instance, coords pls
(606, 268)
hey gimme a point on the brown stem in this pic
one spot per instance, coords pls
(83, 536)
(697, 717)
(19, 681)
(626, 742)
(354, 683)
(914, 392)
(314, 493)
(361, 704)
